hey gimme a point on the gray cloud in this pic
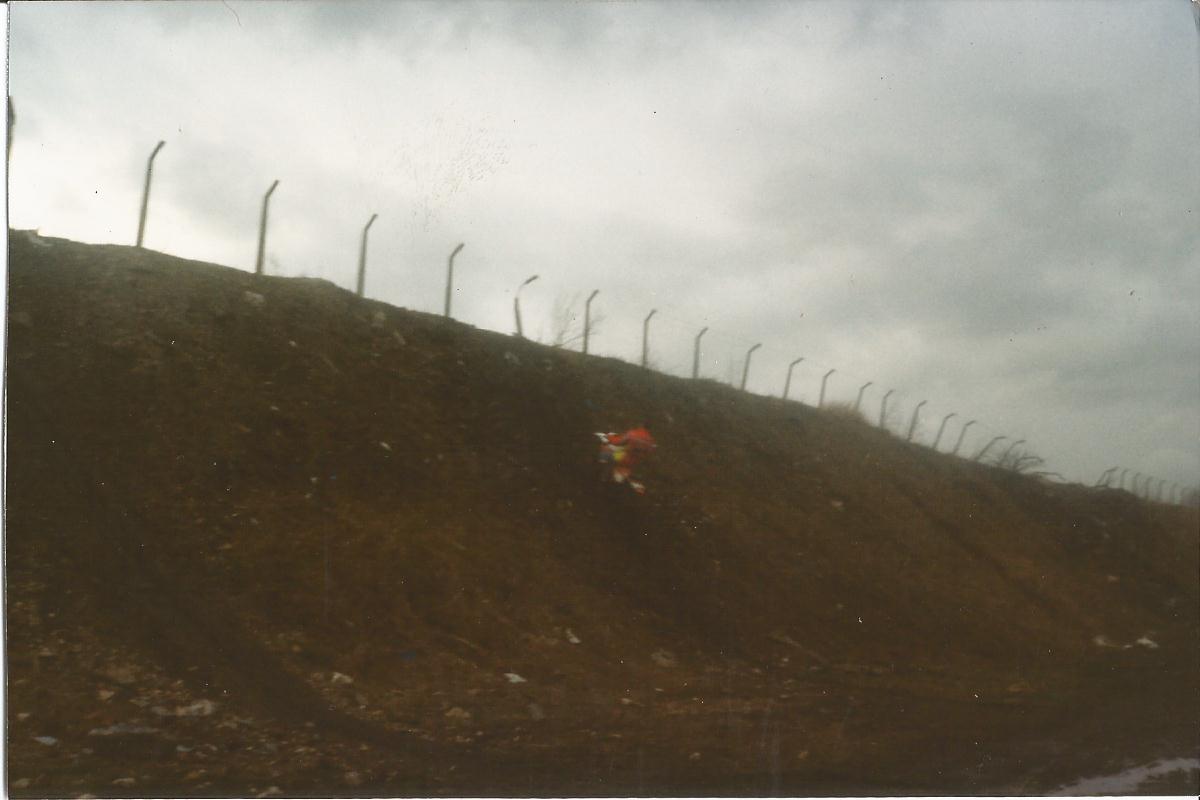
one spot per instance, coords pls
(991, 206)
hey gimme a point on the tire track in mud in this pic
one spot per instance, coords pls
(957, 538)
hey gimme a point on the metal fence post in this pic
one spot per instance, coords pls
(262, 230)
(146, 193)
(450, 279)
(861, 389)
(821, 399)
(746, 365)
(787, 384)
(587, 319)
(362, 257)
(883, 407)
(696, 354)
(961, 435)
(912, 426)
(942, 428)
(517, 304)
(1104, 476)
(646, 335)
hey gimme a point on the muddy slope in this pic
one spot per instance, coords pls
(342, 524)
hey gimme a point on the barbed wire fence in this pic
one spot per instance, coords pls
(701, 351)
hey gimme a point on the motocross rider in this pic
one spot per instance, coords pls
(628, 449)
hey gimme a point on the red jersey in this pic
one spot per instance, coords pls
(637, 443)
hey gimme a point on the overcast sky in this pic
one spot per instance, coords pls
(991, 207)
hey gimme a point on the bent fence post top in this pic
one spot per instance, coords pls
(942, 428)
(362, 256)
(883, 407)
(912, 426)
(587, 318)
(517, 304)
(262, 230)
(961, 434)
(145, 190)
(696, 354)
(788, 383)
(861, 389)
(821, 399)
(450, 278)
(746, 366)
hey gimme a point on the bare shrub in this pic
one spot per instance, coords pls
(890, 415)
(566, 322)
(845, 411)
(1018, 460)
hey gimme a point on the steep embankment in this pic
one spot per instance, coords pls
(237, 488)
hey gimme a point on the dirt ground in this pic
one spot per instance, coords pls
(264, 538)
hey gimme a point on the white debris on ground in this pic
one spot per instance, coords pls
(1144, 641)
(200, 708)
(1128, 781)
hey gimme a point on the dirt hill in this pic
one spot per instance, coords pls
(266, 537)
